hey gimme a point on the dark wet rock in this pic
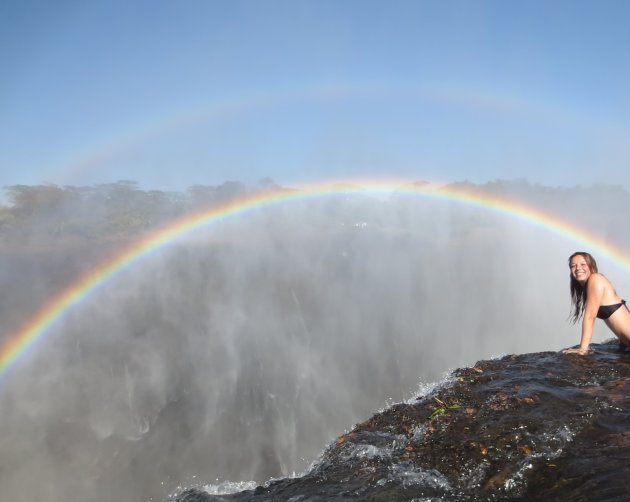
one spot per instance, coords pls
(544, 426)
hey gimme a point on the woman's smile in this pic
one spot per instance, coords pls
(580, 269)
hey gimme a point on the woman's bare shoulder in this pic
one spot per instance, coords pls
(597, 280)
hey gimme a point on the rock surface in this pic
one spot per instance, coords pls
(541, 426)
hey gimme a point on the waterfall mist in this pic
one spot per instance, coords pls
(239, 352)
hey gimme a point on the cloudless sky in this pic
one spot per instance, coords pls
(181, 92)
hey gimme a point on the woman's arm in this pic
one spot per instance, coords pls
(594, 294)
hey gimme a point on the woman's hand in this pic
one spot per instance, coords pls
(576, 350)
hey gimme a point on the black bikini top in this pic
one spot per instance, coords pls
(605, 311)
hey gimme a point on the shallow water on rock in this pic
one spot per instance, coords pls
(541, 426)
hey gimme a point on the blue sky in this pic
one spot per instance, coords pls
(182, 92)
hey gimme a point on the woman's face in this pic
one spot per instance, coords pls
(580, 269)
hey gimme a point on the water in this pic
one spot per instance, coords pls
(239, 355)
(541, 426)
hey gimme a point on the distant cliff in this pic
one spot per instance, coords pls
(541, 426)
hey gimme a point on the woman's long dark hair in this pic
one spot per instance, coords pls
(578, 291)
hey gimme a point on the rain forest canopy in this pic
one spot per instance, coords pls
(123, 208)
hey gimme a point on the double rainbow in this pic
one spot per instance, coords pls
(18, 344)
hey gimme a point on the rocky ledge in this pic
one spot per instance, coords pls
(542, 426)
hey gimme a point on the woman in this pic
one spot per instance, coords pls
(593, 295)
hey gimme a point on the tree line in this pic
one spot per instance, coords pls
(117, 209)
(121, 209)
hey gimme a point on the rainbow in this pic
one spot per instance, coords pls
(17, 345)
(101, 155)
